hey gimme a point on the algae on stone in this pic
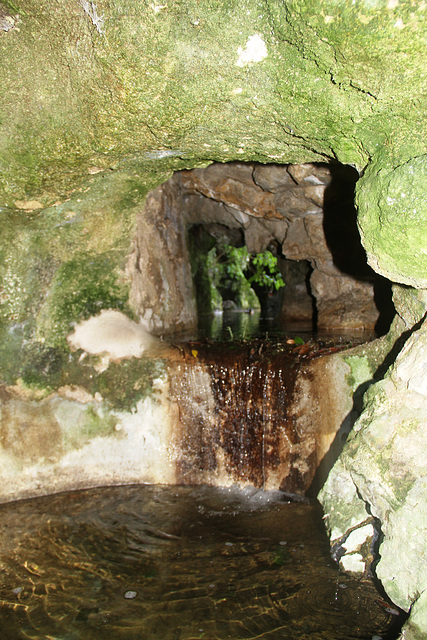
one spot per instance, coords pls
(339, 80)
(384, 460)
(393, 221)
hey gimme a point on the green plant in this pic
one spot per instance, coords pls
(224, 272)
(265, 272)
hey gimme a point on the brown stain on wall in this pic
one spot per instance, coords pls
(253, 422)
(28, 430)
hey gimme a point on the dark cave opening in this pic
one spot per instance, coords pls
(305, 216)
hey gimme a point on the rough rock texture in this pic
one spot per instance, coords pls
(162, 292)
(382, 471)
(180, 431)
(73, 440)
(101, 102)
(392, 214)
(292, 81)
(299, 207)
(98, 111)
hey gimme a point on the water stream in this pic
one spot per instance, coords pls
(193, 562)
(177, 563)
(249, 410)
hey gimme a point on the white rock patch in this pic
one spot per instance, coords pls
(255, 51)
(111, 333)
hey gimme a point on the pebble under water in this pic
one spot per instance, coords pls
(177, 563)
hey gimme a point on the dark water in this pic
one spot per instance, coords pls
(239, 325)
(177, 563)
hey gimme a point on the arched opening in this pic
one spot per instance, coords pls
(303, 216)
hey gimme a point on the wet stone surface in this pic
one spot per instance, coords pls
(132, 563)
(244, 428)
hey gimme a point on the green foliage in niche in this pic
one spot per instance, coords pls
(266, 272)
(236, 270)
(232, 262)
(225, 272)
(81, 288)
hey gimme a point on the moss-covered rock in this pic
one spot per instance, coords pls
(292, 81)
(393, 221)
(384, 462)
(101, 102)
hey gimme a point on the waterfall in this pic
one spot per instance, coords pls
(234, 423)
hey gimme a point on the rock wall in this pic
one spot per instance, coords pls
(162, 292)
(101, 104)
(381, 473)
(221, 418)
(306, 209)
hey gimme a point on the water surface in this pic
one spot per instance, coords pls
(241, 325)
(176, 563)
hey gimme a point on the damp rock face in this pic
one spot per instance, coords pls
(307, 210)
(381, 472)
(101, 103)
(389, 213)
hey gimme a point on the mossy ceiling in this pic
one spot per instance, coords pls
(100, 102)
(88, 83)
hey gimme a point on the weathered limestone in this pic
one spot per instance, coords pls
(392, 214)
(382, 472)
(73, 440)
(162, 292)
(101, 106)
(280, 209)
(177, 432)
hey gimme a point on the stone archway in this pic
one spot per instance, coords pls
(306, 210)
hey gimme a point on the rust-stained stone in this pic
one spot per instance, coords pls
(255, 415)
(269, 420)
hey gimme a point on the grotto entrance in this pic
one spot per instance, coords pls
(259, 414)
(266, 412)
(302, 215)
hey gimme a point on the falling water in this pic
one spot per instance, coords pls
(235, 410)
(187, 563)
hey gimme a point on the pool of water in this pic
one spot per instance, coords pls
(177, 563)
(240, 325)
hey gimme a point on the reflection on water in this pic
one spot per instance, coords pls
(237, 325)
(240, 325)
(234, 324)
(157, 563)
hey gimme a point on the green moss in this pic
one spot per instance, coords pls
(25, 269)
(97, 425)
(62, 264)
(393, 220)
(340, 80)
(81, 288)
(361, 370)
(410, 303)
(123, 384)
(43, 367)
(94, 422)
